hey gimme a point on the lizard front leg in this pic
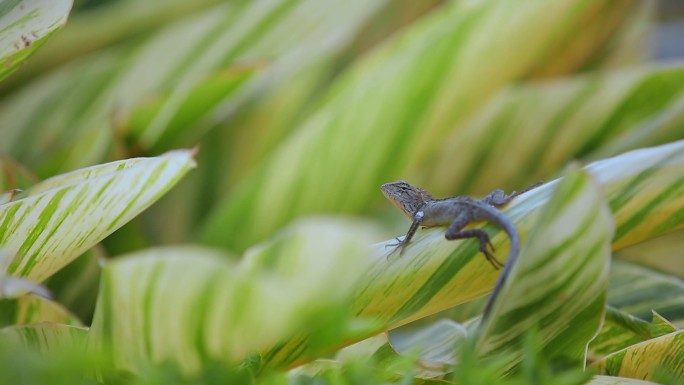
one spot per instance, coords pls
(455, 231)
(417, 219)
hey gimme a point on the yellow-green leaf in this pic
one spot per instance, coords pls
(621, 330)
(642, 188)
(299, 282)
(395, 106)
(48, 337)
(558, 286)
(639, 290)
(57, 220)
(24, 26)
(643, 360)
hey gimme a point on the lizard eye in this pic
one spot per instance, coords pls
(420, 214)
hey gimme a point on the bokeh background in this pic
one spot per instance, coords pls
(304, 107)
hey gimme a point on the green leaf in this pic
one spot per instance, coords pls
(610, 380)
(642, 361)
(221, 312)
(558, 286)
(92, 99)
(533, 128)
(433, 275)
(24, 26)
(621, 330)
(31, 309)
(639, 290)
(396, 105)
(57, 220)
(47, 337)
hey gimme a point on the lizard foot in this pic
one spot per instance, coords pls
(484, 242)
(399, 246)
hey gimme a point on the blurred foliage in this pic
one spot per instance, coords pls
(303, 108)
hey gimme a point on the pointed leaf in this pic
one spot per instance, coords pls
(396, 105)
(24, 26)
(559, 284)
(57, 220)
(621, 330)
(643, 360)
(642, 187)
(298, 283)
(532, 129)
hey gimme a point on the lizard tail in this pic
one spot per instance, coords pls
(512, 257)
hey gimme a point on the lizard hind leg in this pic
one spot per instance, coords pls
(498, 198)
(455, 231)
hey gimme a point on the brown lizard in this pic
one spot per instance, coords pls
(457, 212)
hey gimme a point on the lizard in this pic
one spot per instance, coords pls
(457, 212)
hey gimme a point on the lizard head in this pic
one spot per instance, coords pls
(409, 199)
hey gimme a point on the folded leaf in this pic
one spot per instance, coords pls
(644, 360)
(300, 282)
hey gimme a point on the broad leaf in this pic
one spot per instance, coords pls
(558, 286)
(31, 309)
(433, 274)
(644, 360)
(48, 337)
(639, 290)
(57, 220)
(91, 99)
(621, 330)
(301, 281)
(534, 128)
(24, 26)
(396, 106)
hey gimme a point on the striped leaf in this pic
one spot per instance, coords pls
(396, 106)
(24, 26)
(57, 220)
(47, 338)
(532, 129)
(645, 360)
(642, 188)
(610, 380)
(661, 254)
(31, 309)
(14, 287)
(91, 99)
(559, 284)
(621, 330)
(221, 312)
(639, 290)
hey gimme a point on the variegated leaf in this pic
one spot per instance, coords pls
(642, 361)
(642, 188)
(639, 290)
(558, 286)
(24, 26)
(610, 380)
(548, 123)
(396, 106)
(300, 282)
(49, 338)
(31, 309)
(621, 330)
(57, 220)
(91, 99)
